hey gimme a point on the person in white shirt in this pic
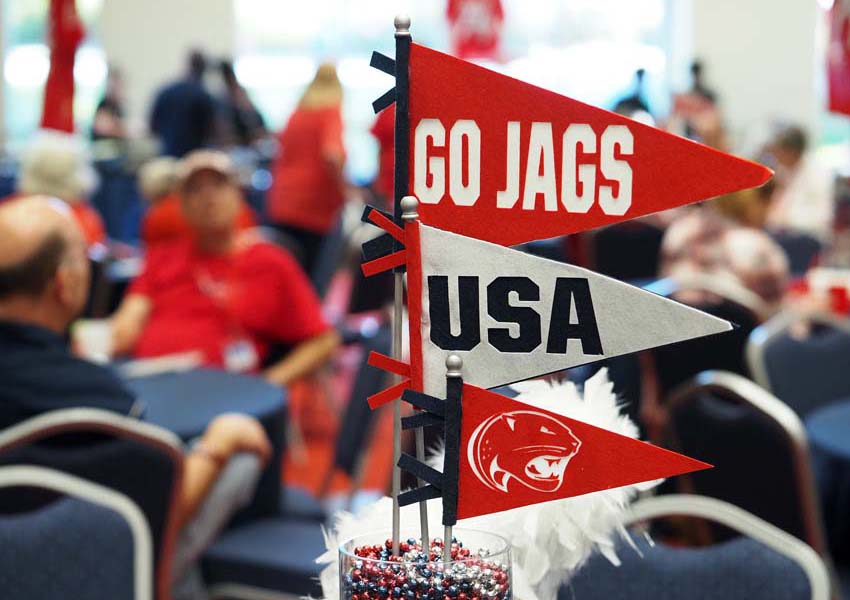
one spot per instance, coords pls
(804, 198)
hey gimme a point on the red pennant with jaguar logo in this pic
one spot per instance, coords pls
(513, 454)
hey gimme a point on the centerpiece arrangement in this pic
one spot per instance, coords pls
(484, 162)
(479, 568)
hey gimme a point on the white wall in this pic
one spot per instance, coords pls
(760, 56)
(149, 41)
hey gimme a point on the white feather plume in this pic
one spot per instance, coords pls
(549, 541)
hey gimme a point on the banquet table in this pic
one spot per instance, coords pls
(186, 402)
(829, 437)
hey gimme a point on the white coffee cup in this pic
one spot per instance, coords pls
(93, 339)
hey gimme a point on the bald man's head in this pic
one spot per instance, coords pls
(42, 254)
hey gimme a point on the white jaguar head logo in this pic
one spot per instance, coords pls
(539, 463)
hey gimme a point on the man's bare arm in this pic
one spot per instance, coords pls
(129, 321)
(305, 358)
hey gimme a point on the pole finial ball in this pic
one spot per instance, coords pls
(408, 205)
(402, 23)
(454, 365)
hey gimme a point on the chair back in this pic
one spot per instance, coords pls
(283, 240)
(805, 373)
(95, 307)
(758, 448)
(89, 543)
(356, 423)
(680, 362)
(801, 249)
(627, 251)
(138, 460)
(767, 564)
(328, 259)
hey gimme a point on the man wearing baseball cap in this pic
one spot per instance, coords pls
(224, 294)
(164, 220)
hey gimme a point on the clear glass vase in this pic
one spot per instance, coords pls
(480, 568)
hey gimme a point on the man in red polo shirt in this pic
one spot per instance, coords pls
(225, 294)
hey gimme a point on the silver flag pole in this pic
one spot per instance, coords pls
(402, 134)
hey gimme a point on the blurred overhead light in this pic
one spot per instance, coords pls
(257, 70)
(90, 66)
(355, 72)
(26, 66)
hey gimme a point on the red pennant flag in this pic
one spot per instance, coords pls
(513, 454)
(500, 160)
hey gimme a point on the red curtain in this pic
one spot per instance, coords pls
(65, 32)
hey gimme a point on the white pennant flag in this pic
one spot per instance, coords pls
(513, 316)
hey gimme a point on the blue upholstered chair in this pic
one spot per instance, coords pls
(275, 557)
(800, 249)
(353, 436)
(627, 251)
(137, 460)
(805, 373)
(88, 543)
(678, 363)
(328, 259)
(758, 447)
(765, 564)
(268, 558)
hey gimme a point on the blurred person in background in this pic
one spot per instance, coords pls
(804, 198)
(164, 220)
(698, 85)
(708, 243)
(57, 164)
(748, 208)
(308, 188)
(726, 268)
(376, 292)
(696, 114)
(228, 296)
(729, 270)
(241, 122)
(635, 102)
(108, 122)
(44, 280)
(383, 130)
(183, 115)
